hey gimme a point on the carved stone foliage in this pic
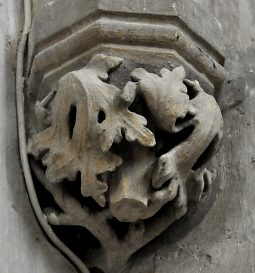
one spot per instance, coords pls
(123, 163)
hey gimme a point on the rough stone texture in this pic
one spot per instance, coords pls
(221, 241)
(23, 246)
(80, 12)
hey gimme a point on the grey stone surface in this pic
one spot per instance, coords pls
(23, 246)
(62, 40)
(223, 239)
(219, 237)
(54, 24)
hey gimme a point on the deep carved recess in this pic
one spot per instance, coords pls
(137, 155)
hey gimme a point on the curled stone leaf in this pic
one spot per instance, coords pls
(87, 116)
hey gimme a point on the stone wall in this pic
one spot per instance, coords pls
(23, 246)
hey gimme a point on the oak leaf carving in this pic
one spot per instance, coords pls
(88, 116)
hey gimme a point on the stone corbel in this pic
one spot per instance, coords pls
(119, 127)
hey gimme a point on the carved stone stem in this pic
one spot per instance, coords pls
(130, 187)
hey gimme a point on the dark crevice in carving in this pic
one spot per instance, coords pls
(120, 228)
(72, 119)
(45, 199)
(165, 185)
(165, 209)
(167, 141)
(207, 154)
(103, 177)
(206, 183)
(76, 237)
(101, 116)
(74, 188)
(26, 58)
(42, 154)
(181, 121)
(121, 76)
(95, 270)
(140, 107)
(191, 92)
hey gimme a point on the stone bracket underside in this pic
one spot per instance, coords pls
(121, 119)
(55, 25)
(120, 27)
(108, 30)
